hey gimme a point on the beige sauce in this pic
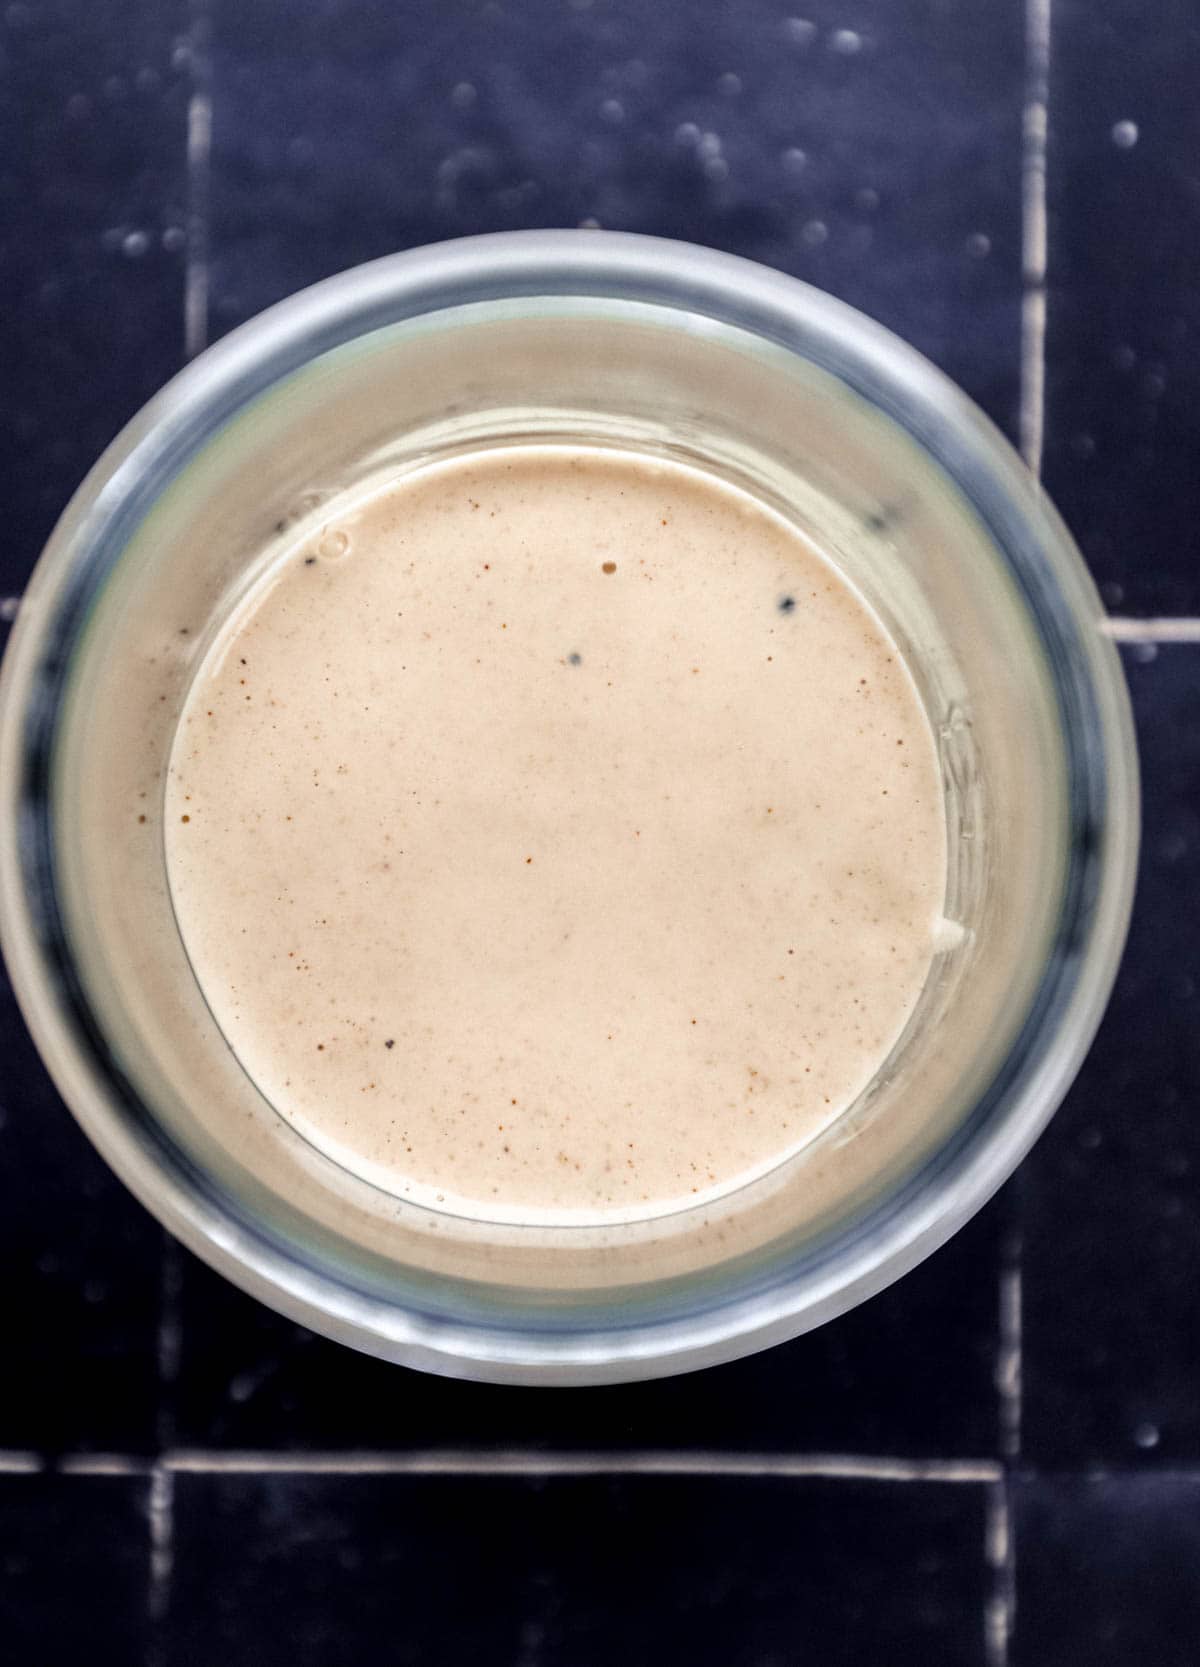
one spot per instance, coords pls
(555, 831)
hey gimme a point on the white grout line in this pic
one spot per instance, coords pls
(104, 1464)
(519, 1462)
(457, 1462)
(20, 1464)
(195, 284)
(187, 1461)
(170, 1334)
(199, 151)
(1033, 231)
(1008, 1355)
(1000, 1555)
(1152, 630)
(162, 1541)
(1035, 130)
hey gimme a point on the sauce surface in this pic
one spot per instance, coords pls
(555, 831)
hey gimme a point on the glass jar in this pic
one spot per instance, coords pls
(634, 343)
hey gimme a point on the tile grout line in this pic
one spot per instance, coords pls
(1000, 1549)
(839, 1467)
(1008, 1354)
(1000, 1553)
(1000, 1605)
(199, 149)
(1034, 131)
(169, 1340)
(20, 1464)
(517, 1463)
(161, 1513)
(160, 1509)
(1172, 630)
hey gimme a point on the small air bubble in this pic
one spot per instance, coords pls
(333, 544)
(845, 42)
(1125, 135)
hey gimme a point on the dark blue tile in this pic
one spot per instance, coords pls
(92, 196)
(1123, 350)
(74, 1561)
(911, 1372)
(325, 1570)
(92, 187)
(79, 1273)
(1106, 1571)
(1112, 1263)
(873, 149)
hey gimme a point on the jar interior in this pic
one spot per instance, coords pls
(632, 376)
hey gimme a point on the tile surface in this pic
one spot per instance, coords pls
(79, 1274)
(1107, 1571)
(1112, 1241)
(73, 1567)
(1123, 348)
(577, 1572)
(92, 198)
(871, 149)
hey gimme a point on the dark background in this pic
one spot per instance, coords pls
(997, 1460)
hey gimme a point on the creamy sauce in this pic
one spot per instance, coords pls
(556, 831)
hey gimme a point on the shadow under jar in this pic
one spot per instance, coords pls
(606, 342)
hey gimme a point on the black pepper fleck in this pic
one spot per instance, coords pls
(574, 659)
(786, 604)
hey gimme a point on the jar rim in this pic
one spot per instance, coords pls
(1098, 731)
